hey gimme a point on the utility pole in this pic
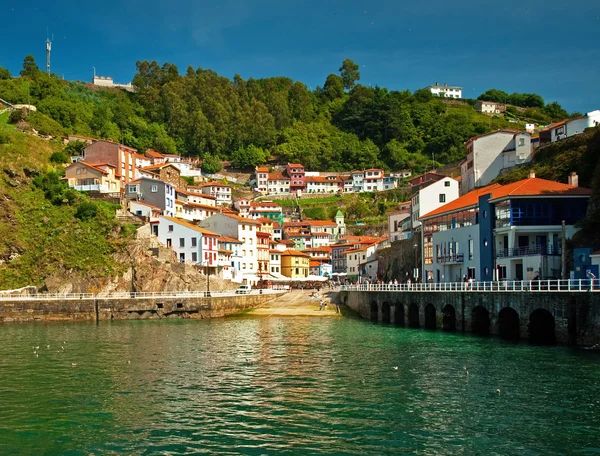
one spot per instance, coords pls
(563, 253)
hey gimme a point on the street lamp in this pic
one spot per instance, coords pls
(416, 262)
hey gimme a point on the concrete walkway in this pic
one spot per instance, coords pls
(300, 303)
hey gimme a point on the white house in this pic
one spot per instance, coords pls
(230, 258)
(244, 230)
(357, 181)
(396, 219)
(243, 206)
(390, 182)
(373, 180)
(445, 90)
(320, 184)
(277, 183)
(262, 178)
(275, 258)
(432, 196)
(489, 107)
(191, 243)
(489, 154)
(571, 127)
(220, 192)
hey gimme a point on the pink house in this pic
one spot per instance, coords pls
(295, 172)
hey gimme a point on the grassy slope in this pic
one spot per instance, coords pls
(46, 238)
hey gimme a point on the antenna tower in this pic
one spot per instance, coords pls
(48, 49)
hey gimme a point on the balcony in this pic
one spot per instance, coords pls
(451, 259)
(528, 251)
(92, 188)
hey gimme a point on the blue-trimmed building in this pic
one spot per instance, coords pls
(511, 232)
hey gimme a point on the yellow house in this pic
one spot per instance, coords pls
(98, 177)
(294, 264)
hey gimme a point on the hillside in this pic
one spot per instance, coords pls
(340, 126)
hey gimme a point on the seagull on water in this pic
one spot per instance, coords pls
(395, 368)
(498, 390)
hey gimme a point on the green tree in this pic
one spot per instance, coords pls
(29, 67)
(4, 73)
(74, 147)
(349, 73)
(555, 111)
(333, 88)
(211, 164)
(248, 157)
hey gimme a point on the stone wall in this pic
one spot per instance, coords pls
(125, 309)
(576, 315)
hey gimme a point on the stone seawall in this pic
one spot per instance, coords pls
(545, 317)
(126, 309)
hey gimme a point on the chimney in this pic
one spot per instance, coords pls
(573, 179)
(531, 174)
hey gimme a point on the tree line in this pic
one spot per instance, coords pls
(342, 125)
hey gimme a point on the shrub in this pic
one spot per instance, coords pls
(86, 210)
(55, 190)
(59, 157)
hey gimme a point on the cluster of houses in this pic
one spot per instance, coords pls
(296, 181)
(470, 228)
(462, 227)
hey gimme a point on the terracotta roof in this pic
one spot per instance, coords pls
(276, 224)
(274, 251)
(319, 249)
(263, 234)
(262, 169)
(538, 187)
(322, 233)
(295, 165)
(202, 206)
(277, 176)
(264, 220)
(226, 251)
(89, 165)
(264, 203)
(554, 125)
(374, 169)
(292, 252)
(229, 239)
(315, 263)
(287, 242)
(141, 157)
(154, 154)
(526, 187)
(469, 200)
(190, 226)
(160, 166)
(360, 249)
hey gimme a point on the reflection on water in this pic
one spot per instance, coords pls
(288, 385)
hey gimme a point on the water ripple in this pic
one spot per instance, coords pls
(288, 386)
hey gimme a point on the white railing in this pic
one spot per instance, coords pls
(92, 188)
(129, 295)
(497, 286)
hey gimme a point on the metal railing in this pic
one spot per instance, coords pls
(525, 251)
(130, 295)
(454, 258)
(496, 286)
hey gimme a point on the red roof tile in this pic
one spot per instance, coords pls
(463, 202)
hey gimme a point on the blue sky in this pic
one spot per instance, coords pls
(549, 47)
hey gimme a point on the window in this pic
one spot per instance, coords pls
(154, 188)
(193, 242)
(447, 184)
(442, 197)
(182, 257)
(470, 249)
(181, 242)
(170, 228)
(168, 242)
(194, 257)
(521, 141)
(297, 270)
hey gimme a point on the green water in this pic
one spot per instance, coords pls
(289, 386)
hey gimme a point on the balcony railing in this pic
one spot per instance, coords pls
(92, 188)
(528, 251)
(457, 258)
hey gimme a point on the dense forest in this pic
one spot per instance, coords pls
(339, 126)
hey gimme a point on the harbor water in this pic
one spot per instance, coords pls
(289, 385)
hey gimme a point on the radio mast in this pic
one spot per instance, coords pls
(48, 49)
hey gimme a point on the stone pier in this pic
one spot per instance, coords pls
(541, 317)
